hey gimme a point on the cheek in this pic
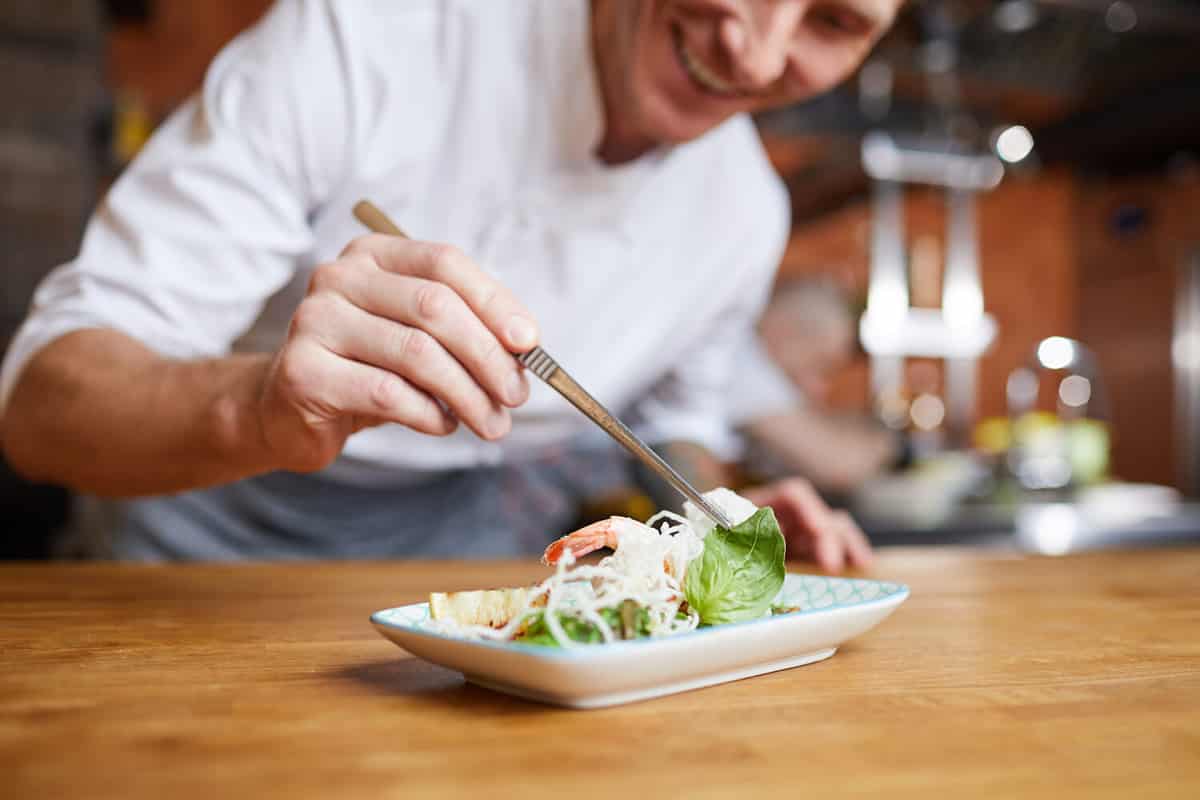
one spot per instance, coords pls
(645, 69)
(799, 367)
(654, 65)
(663, 98)
(822, 65)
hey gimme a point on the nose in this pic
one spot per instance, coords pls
(759, 45)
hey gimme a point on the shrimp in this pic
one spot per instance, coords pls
(637, 548)
(587, 539)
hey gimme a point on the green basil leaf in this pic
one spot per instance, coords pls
(739, 573)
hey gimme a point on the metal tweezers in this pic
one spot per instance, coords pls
(547, 369)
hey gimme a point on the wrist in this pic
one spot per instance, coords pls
(238, 416)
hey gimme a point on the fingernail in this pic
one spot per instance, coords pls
(497, 425)
(515, 388)
(521, 333)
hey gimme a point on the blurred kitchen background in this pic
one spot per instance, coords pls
(1008, 195)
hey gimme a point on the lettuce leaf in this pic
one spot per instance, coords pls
(739, 573)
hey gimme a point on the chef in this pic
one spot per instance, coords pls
(252, 377)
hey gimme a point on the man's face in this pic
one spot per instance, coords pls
(678, 68)
(810, 352)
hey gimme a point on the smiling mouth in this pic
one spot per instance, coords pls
(704, 77)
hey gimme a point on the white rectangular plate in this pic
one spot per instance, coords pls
(832, 611)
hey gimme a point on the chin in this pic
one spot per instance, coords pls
(671, 114)
(670, 106)
(667, 126)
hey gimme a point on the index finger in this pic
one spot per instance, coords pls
(811, 524)
(858, 546)
(492, 302)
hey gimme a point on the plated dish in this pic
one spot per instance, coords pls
(678, 604)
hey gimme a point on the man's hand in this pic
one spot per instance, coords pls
(830, 538)
(394, 331)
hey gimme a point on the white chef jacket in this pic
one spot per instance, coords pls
(468, 121)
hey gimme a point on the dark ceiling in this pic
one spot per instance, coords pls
(1105, 86)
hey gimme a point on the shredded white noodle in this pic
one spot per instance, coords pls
(647, 566)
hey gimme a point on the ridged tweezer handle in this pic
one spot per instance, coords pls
(539, 362)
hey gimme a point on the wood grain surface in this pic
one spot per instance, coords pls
(1002, 676)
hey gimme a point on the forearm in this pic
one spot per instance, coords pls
(694, 462)
(101, 413)
(834, 453)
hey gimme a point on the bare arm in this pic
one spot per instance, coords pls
(393, 331)
(103, 414)
(835, 453)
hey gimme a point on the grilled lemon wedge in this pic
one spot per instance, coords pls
(491, 607)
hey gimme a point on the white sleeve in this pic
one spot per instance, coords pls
(210, 220)
(690, 402)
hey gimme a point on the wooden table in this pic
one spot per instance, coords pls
(1001, 676)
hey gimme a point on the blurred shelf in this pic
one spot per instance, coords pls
(1048, 528)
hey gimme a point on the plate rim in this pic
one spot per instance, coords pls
(595, 650)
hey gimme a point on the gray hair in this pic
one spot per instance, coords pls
(812, 304)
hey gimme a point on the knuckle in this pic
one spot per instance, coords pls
(324, 278)
(486, 294)
(361, 245)
(413, 344)
(313, 313)
(306, 317)
(444, 258)
(383, 394)
(444, 253)
(433, 301)
(336, 276)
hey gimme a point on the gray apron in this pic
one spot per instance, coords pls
(492, 512)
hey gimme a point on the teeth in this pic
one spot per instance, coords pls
(698, 71)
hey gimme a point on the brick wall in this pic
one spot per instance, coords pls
(1135, 235)
(1027, 260)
